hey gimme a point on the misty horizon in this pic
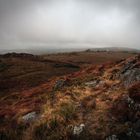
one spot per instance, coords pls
(62, 24)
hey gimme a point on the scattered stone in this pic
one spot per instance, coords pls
(113, 137)
(30, 117)
(101, 84)
(91, 83)
(78, 129)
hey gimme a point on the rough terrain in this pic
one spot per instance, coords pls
(100, 102)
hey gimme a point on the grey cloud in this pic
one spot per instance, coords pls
(35, 22)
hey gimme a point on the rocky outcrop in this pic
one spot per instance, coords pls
(130, 71)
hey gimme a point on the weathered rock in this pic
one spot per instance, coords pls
(30, 117)
(129, 65)
(130, 72)
(113, 137)
(91, 83)
(131, 76)
(78, 129)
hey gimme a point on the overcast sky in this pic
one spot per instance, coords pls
(66, 23)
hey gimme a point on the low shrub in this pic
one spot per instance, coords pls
(67, 111)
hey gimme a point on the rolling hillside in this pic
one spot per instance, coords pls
(100, 102)
(20, 71)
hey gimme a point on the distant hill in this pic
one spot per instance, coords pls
(115, 49)
(59, 49)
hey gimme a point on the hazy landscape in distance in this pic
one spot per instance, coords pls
(69, 70)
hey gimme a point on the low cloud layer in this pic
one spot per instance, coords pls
(49, 23)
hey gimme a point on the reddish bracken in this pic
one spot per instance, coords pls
(134, 92)
(95, 106)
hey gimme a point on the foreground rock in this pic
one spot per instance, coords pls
(32, 116)
(78, 129)
(130, 72)
(91, 83)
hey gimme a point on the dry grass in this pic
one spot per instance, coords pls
(67, 110)
(71, 105)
